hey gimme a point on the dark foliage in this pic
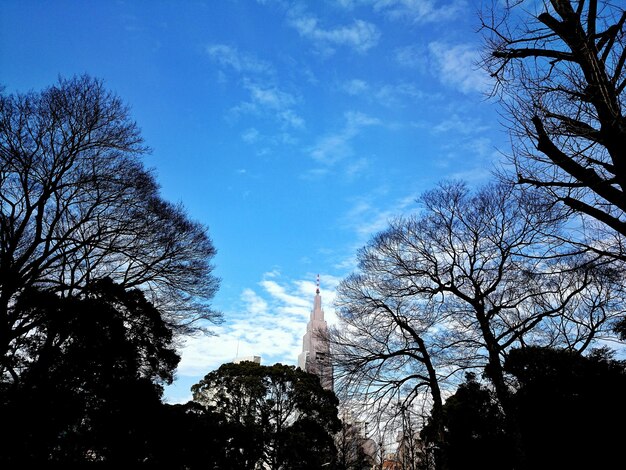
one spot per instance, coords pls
(91, 390)
(188, 437)
(76, 204)
(570, 408)
(475, 430)
(276, 415)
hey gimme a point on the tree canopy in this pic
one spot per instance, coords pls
(475, 429)
(569, 408)
(89, 390)
(76, 205)
(279, 416)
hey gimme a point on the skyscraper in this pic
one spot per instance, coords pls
(315, 355)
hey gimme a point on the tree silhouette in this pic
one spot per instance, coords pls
(560, 75)
(92, 385)
(455, 287)
(569, 407)
(76, 204)
(475, 429)
(279, 416)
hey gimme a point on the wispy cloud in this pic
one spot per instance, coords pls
(412, 11)
(419, 11)
(250, 135)
(359, 35)
(229, 56)
(400, 94)
(356, 167)
(368, 216)
(334, 147)
(258, 79)
(459, 125)
(397, 95)
(412, 56)
(270, 97)
(291, 303)
(484, 158)
(355, 87)
(469, 157)
(255, 304)
(269, 100)
(456, 66)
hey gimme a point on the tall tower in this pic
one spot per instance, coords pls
(315, 355)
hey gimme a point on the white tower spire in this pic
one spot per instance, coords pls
(315, 355)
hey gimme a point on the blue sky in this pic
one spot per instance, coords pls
(293, 130)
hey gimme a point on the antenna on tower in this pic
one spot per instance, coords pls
(317, 291)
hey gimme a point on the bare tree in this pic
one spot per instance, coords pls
(351, 443)
(412, 451)
(76, 204)
(460, 284)
(390, 342)
(492, 262)
(560, 75)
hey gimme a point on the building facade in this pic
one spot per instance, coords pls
(315, 355)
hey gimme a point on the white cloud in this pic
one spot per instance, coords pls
(274, 273)
(368, 216)
(360, 35)
(356, 120)
(459, 125)
(250, 135)
(484, 157)
(411, 11)
(240, 62)
(475, 170)
(270, 324)
(269, 100)
(279, 292)
(397, 94)
(332, 148)
(315, 173)
(255, 304)
(346, 3)
(337, 146)
(413, 56)
(270, 97)
(419, 11)
(201, 354)
(258, 79)
(356, 167)
(355, 87)
(291, 118)
(367, 219)
(456, 66)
